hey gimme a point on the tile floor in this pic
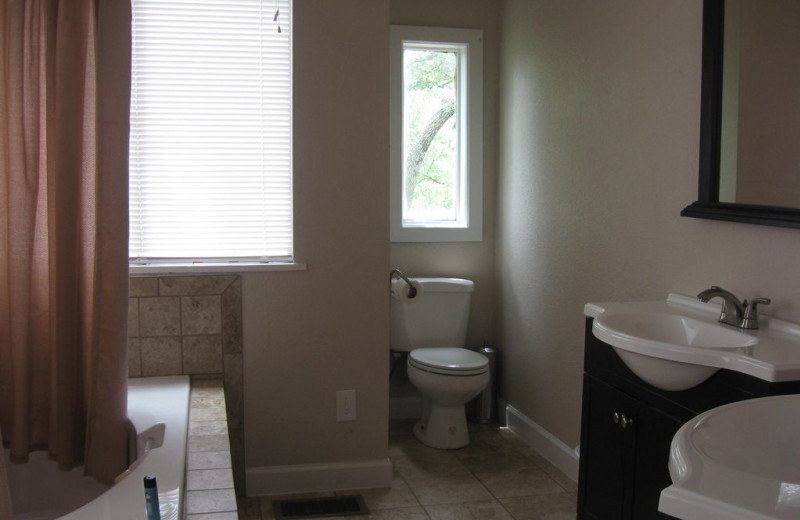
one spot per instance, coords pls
(496, 477)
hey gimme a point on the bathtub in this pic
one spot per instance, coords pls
(158, 407)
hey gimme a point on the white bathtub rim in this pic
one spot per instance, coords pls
(151, 400)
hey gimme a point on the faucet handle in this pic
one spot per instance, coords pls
(750, 318)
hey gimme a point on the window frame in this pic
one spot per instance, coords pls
(471, 113)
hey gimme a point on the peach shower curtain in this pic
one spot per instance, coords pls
(64, 103)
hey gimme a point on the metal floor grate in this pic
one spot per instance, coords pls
(319, 507)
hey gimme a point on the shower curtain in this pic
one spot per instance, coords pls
(64, 103)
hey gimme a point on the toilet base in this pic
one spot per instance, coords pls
(442, 427)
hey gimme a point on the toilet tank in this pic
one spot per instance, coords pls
(438, 318)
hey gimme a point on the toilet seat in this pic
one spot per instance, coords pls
(449, 361)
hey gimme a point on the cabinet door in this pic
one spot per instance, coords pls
(606, 452)
(654, 433)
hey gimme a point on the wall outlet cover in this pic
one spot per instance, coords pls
(346, 405)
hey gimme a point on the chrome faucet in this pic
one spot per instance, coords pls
(742, 314)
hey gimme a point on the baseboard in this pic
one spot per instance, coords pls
(311, 478)
(548, 445)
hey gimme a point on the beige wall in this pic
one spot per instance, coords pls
(472, 260)
(599, 149)
(308, 334)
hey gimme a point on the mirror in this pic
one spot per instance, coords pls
(750, 113)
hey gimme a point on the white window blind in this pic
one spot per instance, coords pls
(210, 140)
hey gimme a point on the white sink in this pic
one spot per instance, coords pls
(677, 343)
(663, 329)
(737, 462)
(643, 339)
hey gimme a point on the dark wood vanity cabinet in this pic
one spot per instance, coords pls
(627, 428)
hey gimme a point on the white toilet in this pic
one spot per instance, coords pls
(433, 331)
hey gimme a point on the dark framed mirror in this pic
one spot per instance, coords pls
(749, 100)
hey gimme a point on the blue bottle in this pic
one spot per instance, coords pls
(151, 498)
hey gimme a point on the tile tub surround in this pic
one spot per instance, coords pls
(210, 491)
(191, 325)
(496, 477)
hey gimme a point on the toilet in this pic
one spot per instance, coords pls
(432, 330)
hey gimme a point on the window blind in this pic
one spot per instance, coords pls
(210, 138)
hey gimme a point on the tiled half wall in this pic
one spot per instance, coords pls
(191, 325)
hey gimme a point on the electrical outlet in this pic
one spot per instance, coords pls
(346, 405)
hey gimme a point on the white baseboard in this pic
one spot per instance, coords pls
(310, 478)
(548, 445)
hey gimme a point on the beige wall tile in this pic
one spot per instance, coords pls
(234, 389)
(201, 315)
(159, 317)
(228, 515)
(231, 303)
(208, 443)
(208, 427)
(210, 501)
(161, 356)
(208, 479)
(208, 460)
(194, 285)
(202, 354)
(142, 286)
(134, 357)
(133, 317)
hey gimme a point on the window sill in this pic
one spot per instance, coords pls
(211, 268)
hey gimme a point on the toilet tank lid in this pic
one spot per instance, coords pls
(430, 284)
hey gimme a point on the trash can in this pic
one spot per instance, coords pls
(483, 407)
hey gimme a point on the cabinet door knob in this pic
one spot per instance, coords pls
(626, 422)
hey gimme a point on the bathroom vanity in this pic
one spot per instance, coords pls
(628, 424)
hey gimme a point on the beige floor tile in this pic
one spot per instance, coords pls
(414, 466)
(431, 484)
(449, 490)
(483, 510)
(491, 459)
(556, 506)
(518, 482)
(403, 513)
(569, 485)
(399, 495)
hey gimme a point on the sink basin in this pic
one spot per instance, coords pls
(663, 329)
(645, 341)
(736, 462)
(677, 343)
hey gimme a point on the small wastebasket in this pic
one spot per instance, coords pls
(483, 408)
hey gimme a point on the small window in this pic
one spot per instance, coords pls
(436, 134)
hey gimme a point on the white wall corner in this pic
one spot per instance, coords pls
(310, 478)
(548, 445)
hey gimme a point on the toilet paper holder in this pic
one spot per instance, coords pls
(412, 291)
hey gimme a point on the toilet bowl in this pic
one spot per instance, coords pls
(432, 329)
(447, 378)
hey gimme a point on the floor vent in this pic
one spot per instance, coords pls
(319, 507)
